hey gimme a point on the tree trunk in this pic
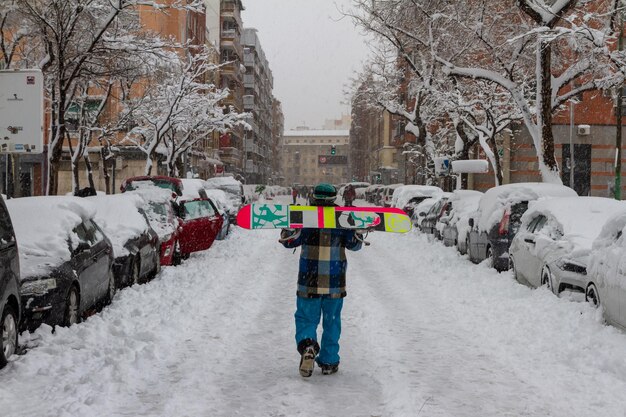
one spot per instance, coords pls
(105, 169)
(547, 136)
(89, 168)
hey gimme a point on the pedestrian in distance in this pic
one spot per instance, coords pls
(349, 195)
(294, 194)
(321, 286)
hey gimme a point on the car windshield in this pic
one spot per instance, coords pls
(164, 184)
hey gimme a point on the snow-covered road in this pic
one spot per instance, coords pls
(425, 333)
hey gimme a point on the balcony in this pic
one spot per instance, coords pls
(248, 102)
(251, 167)
(230, 155)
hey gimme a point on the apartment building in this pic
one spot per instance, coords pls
(225, 30)
(313, 156)
(278, 126)
(258, 101)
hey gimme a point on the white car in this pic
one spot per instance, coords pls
(606, 272)
(407, 197)
(553, 243)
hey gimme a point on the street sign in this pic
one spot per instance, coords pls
(332, 160)
(21, 111)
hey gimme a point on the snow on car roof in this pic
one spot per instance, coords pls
(402, 195)
(118, 216)
(217, 181)
(43, 226)
(192, 187)
(610, 230)
(222, 199)
(579, 219)
(496, 199)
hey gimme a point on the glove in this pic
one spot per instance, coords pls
(289, 234)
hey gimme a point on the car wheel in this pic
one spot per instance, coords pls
(591, 295)
(489, 257)
(546, 279)
(8, 342)
(134, 279)
(177, 257)
(72, 307)
(112, 288)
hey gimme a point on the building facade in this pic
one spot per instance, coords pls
(258, 101)
(313, 156)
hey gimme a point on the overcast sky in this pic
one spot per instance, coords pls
(312, 52)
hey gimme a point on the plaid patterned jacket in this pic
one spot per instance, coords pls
(323, 261)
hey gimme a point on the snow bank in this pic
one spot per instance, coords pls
(402, 195)
(43, 226)
(497, 199)
(118, 216)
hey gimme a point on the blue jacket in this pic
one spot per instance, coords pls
(323, 261)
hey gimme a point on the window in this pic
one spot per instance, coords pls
(537, 224)
(6, 228)
(198, 209)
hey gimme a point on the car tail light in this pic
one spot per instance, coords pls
(503, 230)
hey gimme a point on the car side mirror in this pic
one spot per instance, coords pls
(422, 213)
(471, 222)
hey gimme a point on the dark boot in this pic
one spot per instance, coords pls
(308, 349)
(329, 369)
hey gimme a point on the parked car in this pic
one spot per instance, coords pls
(420, 210)
(202, 222)
(174, 185)
(65, 258)
(409, 196)
(387, 194)
(10, 300)
(222, 203)
(136, 247)
(234, 191)
(498, 217)
(161, 211)
(552, 245)
(440, 208)
(606, 271)
(454, 227)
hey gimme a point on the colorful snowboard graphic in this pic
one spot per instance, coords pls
(276, 216)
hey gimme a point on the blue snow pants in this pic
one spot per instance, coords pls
(308, 314)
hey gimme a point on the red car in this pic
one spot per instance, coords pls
(194, 222)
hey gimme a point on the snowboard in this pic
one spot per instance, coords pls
(277, 216)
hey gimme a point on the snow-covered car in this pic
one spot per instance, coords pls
(174, 185)
(233, 189)
(224, 208)
(409, 196)
(65, 259)
(554, 241)
(499, 214)
(202, 222)
(387, 194)
(440, 208)
(420, 211)
(161, 212)
(136, 246)
(10, 301)
(454, 227)
(606, 271)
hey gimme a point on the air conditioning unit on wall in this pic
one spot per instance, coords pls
(584, 130)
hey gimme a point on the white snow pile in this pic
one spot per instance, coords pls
(118, 216)
(43, 226)
(574, 221)
(497, 199)
(191, 188)
(464, 203)
(230, 186)
(402, 195)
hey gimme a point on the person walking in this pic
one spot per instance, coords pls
(321, 286)
(349, 195)
(294, 194)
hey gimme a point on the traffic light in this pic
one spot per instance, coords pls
(333, 149)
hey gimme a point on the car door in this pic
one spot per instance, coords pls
(525, 242)
(100, 255)
(200, 225)
(84, 266)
